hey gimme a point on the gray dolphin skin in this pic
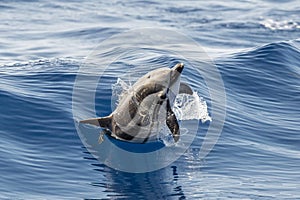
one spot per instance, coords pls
(146, 107)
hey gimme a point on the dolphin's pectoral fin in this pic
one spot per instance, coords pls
(185, 88)
(104, 122)
(172, 122)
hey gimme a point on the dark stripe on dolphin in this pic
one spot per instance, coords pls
(140, 95)
(146, 90)
(118, 132)
(125, 136)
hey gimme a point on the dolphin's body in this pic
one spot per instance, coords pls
(146, 107)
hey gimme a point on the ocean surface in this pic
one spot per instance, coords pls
(255, 46)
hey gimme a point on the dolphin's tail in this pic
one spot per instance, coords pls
(104, 122)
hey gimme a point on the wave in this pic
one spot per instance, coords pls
(262, 82)
(262, 88)
(261, 128)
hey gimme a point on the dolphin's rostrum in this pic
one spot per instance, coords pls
(146, 107)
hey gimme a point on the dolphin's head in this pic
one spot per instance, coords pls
(178, 67)
(165, 76)
(175, 73)
(175, 81)
(167, 79)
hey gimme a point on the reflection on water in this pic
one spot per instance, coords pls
(162, 184)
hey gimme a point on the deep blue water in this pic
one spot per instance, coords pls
(254, 44)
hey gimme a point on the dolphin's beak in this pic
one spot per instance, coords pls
(174, 82)
(176, 72)
(178, 67)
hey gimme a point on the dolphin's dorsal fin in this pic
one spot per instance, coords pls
(172, 122)
(104, 122)
(185, 88)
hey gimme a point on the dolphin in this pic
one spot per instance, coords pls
(146, 107)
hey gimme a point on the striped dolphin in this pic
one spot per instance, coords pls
(146, 107)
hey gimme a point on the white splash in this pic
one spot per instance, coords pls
(280, 25)
(186, 107)
(119, 89)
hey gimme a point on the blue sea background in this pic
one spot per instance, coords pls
(254, 44)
